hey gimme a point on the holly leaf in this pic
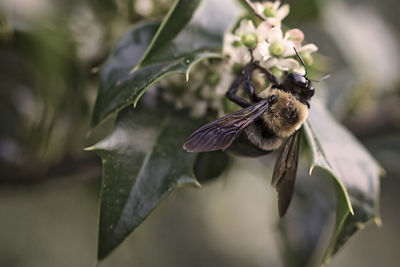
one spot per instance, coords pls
(143, 160)
(192, 31)
(138, 174)
(306, 220)
(354, 172)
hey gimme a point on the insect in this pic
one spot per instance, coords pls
(271, 117)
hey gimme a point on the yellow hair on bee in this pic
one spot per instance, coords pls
(286, 115)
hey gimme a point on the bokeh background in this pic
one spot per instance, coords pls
(50, 52)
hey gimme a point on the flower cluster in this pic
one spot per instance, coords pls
(264, 41)
(271, 12)
(205, 91)
(267, 42)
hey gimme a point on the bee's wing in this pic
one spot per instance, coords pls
(285, 170)
(220, 134)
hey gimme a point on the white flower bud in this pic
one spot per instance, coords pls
(276, 49)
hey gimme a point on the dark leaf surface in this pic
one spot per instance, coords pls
(114, 73)
(302, 228)
(192, 31)
(143, 161)
(355, 174)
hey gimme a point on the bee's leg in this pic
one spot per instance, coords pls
(248, 85)
(271, 77)
(245, 77)
(231, 94)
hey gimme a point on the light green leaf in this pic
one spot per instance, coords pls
(143, 160)
(354, 172)
(192, 31)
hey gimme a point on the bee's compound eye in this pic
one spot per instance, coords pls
(310, 91)
(298, 79)
(272, 99)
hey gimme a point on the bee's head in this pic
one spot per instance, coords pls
(299, 85)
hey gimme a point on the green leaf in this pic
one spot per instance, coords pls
(114, 78)
(174, 22)
(143, 160)
(304, 224)
(353, 170)
(192, 31)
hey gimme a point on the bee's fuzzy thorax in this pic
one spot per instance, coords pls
(286, 115)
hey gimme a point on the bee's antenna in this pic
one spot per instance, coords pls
(301, 60)
(323, 78)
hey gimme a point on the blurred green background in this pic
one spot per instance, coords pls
(50, 52)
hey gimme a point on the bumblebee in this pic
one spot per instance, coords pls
(270, 118)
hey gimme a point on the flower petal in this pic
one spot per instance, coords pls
(300, 69)
(283, 11)
(287, 63)
(199, 109)
(289, 49)
(263, 30)
(240, 55)
(258, 7)
(309, 48)
(207, 92)
(277, 4)
(246, 26)
(269, 63)
(274, 35)
(261, 52)
(274, 22)
(228, 48)
(295, 35)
